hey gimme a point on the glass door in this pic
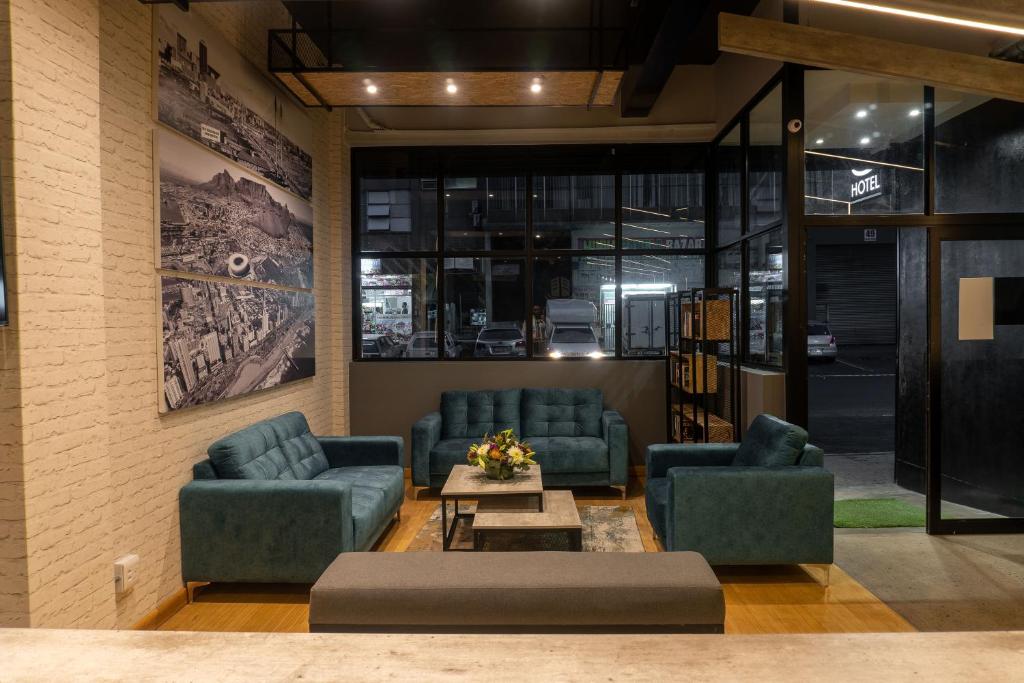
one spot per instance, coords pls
(975, 470)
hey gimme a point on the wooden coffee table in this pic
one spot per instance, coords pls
(466, 481)
(519, 514)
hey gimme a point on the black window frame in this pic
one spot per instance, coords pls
(526, 161)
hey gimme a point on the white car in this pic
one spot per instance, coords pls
(424, 345)
(821, 343)
(573, 341)
(500, 340)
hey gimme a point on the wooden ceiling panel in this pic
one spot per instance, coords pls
(475, 88)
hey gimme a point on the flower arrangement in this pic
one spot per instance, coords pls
(499, 456)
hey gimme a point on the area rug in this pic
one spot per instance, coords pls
(876, 513)
(606, 529)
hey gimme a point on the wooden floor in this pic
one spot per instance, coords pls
(758, 599)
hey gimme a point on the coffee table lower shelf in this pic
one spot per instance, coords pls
(515, 515)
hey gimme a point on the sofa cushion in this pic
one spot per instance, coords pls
(562, 412)
(570, 455)
(301, 449)
(471, 414)
(449, 452)
(369, 510)
(250, 453)
(387, 479)
(770, 442)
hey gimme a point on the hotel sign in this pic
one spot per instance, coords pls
(867, 184)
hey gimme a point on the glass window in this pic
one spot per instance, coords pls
(729, 163)
(574, 212)
(485, 213)
(864, 145)
(645, 282)
(766, 156)
(398, 300)
(663, 211)
(979, 154)
(765, 287)
(574, 306)
(398, 214)
(485, 306)
(729, 264)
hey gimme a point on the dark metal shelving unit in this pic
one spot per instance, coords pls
(699, 322)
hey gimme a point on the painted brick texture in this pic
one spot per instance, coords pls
(89, 469)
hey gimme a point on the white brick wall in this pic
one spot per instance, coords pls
(78, 384)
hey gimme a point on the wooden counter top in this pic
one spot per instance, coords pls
(51, 655)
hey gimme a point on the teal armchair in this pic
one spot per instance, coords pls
(577, 441)
(275, 504)
(765, 501)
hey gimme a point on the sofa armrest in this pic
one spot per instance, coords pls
(616, 435)
(764, 515)
(425, 435)
(349, 451)
(660, 457)
(245, 530)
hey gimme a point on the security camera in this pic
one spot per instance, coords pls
(795, 125)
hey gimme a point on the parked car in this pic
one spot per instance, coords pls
(380, 346)
(424, 345)
(499, 340)
(821, 343)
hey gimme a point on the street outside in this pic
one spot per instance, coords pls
(852, 402)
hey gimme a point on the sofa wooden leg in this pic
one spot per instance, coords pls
(398, 515)
(189, 595)
(822, 574)
(622, 490)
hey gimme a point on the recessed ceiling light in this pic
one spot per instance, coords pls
(372, 89)
(536, 86)
(451, 87)
(915, 112)
(865, 140)
(490, 195)
(820, 141)
(862, 113)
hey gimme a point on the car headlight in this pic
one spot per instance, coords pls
(555, 354)
(595, 355)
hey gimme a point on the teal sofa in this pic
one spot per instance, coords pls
(765, 501)
(275, 504)
(577, 441)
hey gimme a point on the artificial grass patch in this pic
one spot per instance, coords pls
(876, 513)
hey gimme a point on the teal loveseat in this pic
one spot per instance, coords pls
(275, 504)
(765, 501)
(577, 441)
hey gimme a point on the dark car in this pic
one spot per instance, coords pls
(380, 346)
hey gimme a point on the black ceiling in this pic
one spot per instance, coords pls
(646, 38)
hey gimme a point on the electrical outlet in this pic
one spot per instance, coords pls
(126, 573)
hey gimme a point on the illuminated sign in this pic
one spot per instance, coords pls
(867, 184)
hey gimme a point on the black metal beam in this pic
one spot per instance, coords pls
(643, 83)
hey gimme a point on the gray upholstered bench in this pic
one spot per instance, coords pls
(524, 592)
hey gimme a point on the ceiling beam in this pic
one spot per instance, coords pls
(1000, 11)
(644, 82)
(874, 56)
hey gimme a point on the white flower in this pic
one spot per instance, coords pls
(516, 455)
(483, 449)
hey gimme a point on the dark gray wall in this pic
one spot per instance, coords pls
(388, 397)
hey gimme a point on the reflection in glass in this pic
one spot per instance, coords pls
(645, 282)
(766, 162)
(574, 212)
(662, 211)
(485, 302)
(979, 154)
(765, 288)
(398, 307)
(729, 162)
(729, 264)
(398, 214)
(864, 140)
(574, 306)
(484, 213)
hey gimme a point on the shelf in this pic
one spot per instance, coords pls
(691, 380)
(719, 327)
(686, 428)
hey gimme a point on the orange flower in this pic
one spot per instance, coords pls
(495, 453)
